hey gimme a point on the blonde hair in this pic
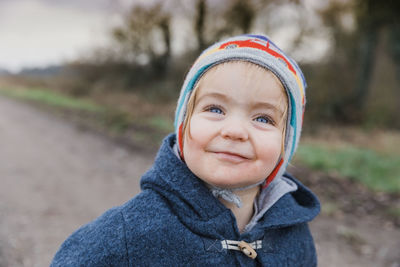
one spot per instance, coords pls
(252, 69)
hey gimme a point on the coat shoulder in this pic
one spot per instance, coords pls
(98, 243)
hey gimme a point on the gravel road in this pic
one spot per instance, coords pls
(56, 176)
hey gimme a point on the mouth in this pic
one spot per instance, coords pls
(231, 156)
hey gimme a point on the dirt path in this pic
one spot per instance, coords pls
(55, 177)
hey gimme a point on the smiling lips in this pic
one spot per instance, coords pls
(231, 156)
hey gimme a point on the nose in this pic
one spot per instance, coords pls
(235, 129)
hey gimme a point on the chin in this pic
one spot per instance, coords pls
(229, 185)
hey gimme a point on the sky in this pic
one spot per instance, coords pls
(39, 33)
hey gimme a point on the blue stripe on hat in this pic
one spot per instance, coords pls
(293, 123)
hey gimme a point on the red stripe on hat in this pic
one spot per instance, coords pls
(272, 175)
(180, 141)
(258, 44)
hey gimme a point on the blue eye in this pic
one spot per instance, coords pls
(215, 110)
(263, 119)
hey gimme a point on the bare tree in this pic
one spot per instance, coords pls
(199, 23)
(239, 17)
(145, 36)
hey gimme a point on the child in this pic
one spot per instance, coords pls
(217, 194)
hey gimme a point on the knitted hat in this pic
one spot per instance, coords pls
(262, 51)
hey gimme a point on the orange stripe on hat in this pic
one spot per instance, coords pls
(273, 174)
(180, 141)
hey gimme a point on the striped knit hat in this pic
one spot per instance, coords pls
(262, 51)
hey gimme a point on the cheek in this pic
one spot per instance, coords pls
(271, 151)
(193, 141)
(193, 153)
(200, 133)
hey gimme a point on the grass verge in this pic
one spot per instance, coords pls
(51, 98)
(142, 130)
(377, 171)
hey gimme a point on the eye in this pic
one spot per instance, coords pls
(214, 109)
(264, 119)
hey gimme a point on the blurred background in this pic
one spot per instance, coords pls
(115, 68)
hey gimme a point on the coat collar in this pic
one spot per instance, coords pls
(192, 202)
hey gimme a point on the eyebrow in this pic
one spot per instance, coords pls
(255, 105)
(267, 106)
(213, 95)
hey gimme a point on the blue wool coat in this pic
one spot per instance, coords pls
(176, 221)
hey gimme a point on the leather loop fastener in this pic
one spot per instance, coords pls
(247, 250)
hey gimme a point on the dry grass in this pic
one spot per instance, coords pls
(382, 141)
(133, 104)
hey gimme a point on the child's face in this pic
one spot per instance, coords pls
(234, 136)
